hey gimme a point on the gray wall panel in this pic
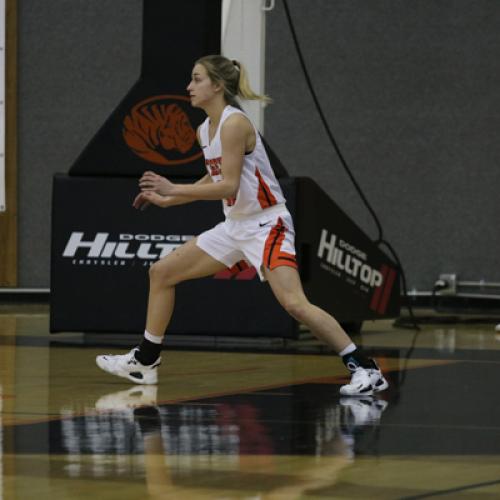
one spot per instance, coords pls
(77, 59)
(411, 91)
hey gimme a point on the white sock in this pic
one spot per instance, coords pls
(153, 338)
(350, 348)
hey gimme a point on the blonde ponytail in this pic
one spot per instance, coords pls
(244, 89)
(233, 76)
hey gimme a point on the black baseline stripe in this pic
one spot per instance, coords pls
(451, 490)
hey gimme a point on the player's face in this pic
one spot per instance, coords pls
(201, 89)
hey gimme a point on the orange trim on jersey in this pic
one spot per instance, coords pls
(264, 195)
(273, 255)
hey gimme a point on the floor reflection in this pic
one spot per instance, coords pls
(257, 439)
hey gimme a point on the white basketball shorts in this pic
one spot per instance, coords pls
(263, 240)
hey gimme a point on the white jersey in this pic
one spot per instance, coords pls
(259, 189)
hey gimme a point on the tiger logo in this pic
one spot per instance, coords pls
(159, 130)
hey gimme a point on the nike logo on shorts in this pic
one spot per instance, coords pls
(262, 224)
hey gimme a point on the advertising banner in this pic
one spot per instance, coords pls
(344, 271)
(102, 249)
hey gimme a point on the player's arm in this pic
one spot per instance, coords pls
(153, 191)
(234, 135)
(155, 184)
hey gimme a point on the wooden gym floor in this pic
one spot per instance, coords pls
(250, 425)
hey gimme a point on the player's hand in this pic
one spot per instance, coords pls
(154, 182)
(140, 202)
(146, 198)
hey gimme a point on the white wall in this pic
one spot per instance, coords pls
(2, 106)
(243, 38)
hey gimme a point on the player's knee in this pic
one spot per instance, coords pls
(296, 306)
(161, 273)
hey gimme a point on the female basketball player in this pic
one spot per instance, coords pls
(258, 229)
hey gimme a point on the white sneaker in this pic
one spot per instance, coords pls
(360, 384)
(126, 366)
(379, 383)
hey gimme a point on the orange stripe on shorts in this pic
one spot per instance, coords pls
(273, 255)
